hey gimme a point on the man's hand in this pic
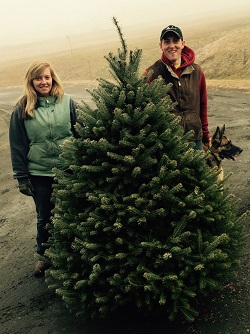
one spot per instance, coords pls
(207, 145)
(25, 186)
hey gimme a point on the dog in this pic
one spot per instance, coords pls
(221, 148)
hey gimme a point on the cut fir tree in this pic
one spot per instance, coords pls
(139, 217)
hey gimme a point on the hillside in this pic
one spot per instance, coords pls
(220, 42)
(227, 57)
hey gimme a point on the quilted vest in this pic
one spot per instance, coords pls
(49, 128)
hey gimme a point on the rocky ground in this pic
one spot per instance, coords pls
(26, 304)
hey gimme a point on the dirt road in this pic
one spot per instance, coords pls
(26, 304)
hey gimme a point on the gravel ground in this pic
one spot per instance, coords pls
(26, 304)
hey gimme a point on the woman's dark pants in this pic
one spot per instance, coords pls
(42, 196)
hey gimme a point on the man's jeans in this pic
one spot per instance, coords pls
(198, 145)
(42, 197)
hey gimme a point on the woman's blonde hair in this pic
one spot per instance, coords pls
(27, 101)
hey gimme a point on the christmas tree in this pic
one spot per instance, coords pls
(139, 217)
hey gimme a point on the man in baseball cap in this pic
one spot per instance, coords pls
(188, 92)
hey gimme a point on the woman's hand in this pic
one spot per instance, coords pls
(25, 186)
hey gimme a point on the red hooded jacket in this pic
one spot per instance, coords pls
(188, 91)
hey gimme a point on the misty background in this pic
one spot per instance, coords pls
(53, 25)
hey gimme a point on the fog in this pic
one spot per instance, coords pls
(27, 21)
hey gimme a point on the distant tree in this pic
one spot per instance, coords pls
(139, 217)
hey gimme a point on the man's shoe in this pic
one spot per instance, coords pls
(40, 268)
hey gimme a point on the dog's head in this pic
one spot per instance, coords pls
(223, 146)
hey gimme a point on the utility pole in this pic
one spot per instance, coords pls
(68, 38)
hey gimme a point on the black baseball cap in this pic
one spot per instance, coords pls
(171, 28)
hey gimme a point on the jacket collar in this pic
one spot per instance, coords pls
(46, 102)
(187, 58)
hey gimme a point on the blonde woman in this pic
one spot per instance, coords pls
(42, 119)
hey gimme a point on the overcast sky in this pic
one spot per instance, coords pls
(24, 21)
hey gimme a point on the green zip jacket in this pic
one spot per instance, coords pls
(35, 143)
